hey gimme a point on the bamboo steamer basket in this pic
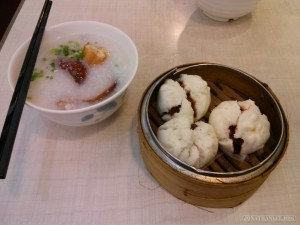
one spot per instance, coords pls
(226, 181)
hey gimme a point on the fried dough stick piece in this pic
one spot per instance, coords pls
(94, 55)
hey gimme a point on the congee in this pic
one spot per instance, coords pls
(77, 71)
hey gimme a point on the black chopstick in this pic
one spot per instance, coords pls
(16, 106)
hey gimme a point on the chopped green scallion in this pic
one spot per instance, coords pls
(37, 74)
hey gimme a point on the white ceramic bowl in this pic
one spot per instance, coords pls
(94, 113)
(225, 10)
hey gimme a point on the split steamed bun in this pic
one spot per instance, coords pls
(198, 92)
(194, 143)
(190, 95)
(172, 101)
(240, 126)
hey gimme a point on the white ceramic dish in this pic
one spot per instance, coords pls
(225, 10)
(94, 113)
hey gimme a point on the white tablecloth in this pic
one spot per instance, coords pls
(96, 175)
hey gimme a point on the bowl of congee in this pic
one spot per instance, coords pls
(82, 72)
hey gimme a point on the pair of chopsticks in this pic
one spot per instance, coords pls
(16, 106)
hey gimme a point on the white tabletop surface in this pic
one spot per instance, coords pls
(96, 175)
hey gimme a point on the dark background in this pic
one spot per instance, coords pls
(7, 11)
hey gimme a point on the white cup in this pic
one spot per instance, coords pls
(226, 10)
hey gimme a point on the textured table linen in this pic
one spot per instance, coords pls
(96, 175)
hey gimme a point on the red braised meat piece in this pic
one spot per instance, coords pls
(75, 68)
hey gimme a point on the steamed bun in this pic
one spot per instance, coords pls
(198, 93)
(176, 134)
(189, 95)
(172, 101)
(204, 148)
(240, 126)
(195, 144)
